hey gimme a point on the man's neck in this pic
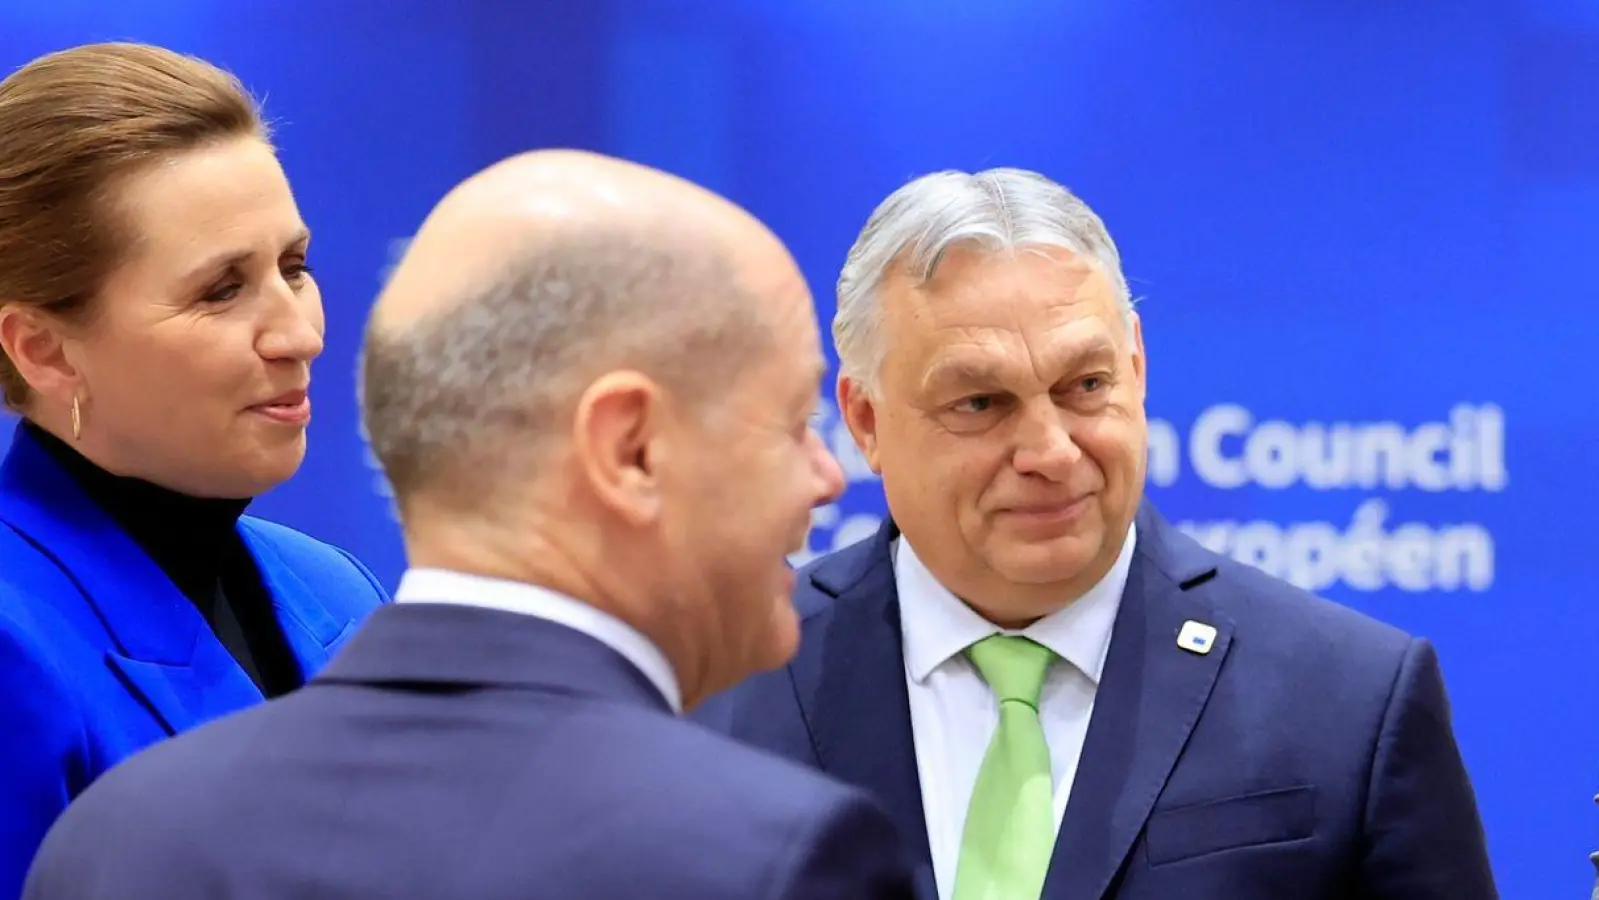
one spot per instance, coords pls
(536, 553)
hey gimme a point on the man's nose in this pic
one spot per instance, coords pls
(829, 474)
(1044, 444)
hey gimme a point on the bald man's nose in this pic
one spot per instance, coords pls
(829, 474)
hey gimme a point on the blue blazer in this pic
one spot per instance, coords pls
(1307, 754)
(101, 655)
(451, 751)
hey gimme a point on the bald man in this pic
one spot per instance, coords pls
(588, 384)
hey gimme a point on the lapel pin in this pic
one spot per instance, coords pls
(1196, 637)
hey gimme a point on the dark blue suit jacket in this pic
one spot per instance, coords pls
(452, 751)
(100, 654)
(1308, 754)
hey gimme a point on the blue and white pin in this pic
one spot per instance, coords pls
(1197, 637)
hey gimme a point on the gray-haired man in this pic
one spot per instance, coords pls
(1054, 691)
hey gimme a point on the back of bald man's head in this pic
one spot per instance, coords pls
(530, 280)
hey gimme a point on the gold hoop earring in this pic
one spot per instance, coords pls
(77, 419)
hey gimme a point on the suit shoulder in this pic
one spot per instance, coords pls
(32, 684)
(321, 564)
(1288, 643)
(673, 787)
(726, 781)
(26, 569)
(804, 834)
(745, 770)
(40, 607)
(1280, 605)
(1254, 598)
(293, 542)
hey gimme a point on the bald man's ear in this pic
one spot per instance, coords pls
(617, 419)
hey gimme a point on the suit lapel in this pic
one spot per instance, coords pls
(160, 644)
(1150, 697)
(182, 695)
(850, 674)
(313, 635)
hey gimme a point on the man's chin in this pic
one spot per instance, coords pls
(1039, 564)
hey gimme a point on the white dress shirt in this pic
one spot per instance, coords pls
(441, 586)
(953, 712)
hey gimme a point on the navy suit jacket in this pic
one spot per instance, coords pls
(101, 654)
(452, 751)
(1308, 754)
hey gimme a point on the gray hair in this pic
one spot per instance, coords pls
(911, 230)
(483, 385)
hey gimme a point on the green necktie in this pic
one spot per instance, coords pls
(1010, 823)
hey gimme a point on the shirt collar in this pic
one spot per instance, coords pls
(441, 586)
(938, 626)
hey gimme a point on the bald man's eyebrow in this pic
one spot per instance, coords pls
(807, 398)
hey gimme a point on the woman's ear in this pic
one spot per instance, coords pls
(36, 344)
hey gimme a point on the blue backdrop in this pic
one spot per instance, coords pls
(1362, 234)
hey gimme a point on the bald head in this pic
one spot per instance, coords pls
(538, 275)
(526, 207)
